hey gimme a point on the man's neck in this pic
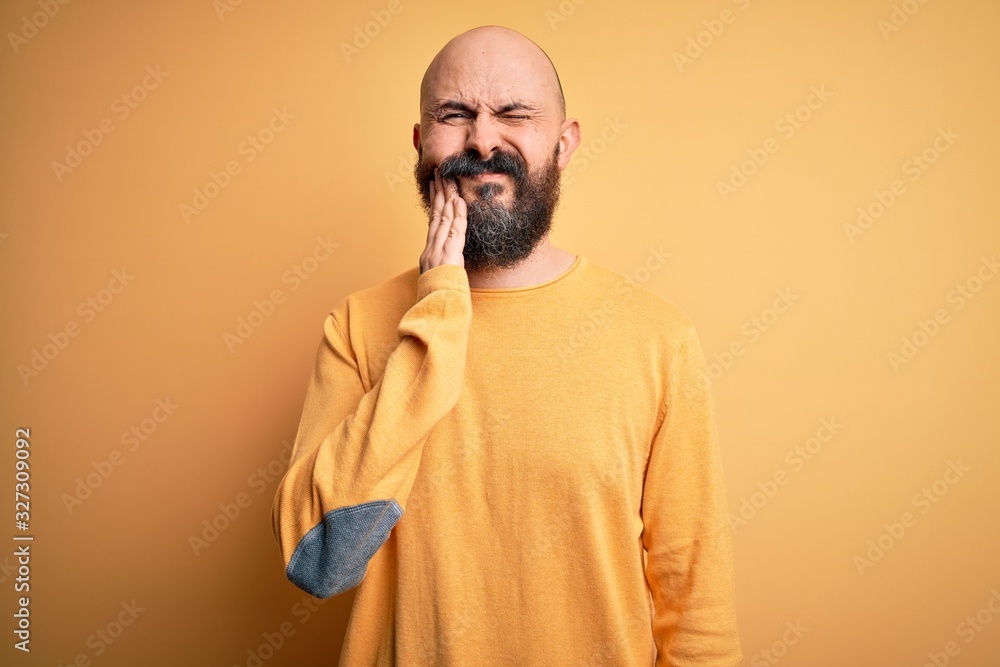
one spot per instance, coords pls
(543, 264)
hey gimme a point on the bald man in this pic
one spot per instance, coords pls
(509, 451)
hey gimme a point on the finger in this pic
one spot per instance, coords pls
(428, 256)
(461, 216)
(442, 231)
(454, 244)
(457, 200)
(437, 206)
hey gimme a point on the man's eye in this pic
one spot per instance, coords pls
(453, 115)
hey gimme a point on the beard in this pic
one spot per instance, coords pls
(498, 235)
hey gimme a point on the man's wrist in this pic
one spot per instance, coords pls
(450, 276)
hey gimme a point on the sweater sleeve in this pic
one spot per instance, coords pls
(356, 454)
(686, 531)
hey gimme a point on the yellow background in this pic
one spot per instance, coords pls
(340, 170)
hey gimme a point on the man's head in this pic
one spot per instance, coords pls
(493, 116)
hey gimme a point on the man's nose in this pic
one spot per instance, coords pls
(484, 137)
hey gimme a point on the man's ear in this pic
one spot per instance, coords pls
(416, 136)
(569, 139)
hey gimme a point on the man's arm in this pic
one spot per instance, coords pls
(686, 529)
(356, 454)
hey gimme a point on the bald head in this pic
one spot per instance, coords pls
(496, 58)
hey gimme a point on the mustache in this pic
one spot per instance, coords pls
(469, 164)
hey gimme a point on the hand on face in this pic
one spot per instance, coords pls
(446, 229)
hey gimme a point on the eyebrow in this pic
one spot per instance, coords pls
(455, 105)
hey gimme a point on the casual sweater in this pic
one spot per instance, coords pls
(513, 476)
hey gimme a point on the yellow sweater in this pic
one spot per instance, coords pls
(513, 477)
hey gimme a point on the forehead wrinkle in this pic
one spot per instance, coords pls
(482, 77)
